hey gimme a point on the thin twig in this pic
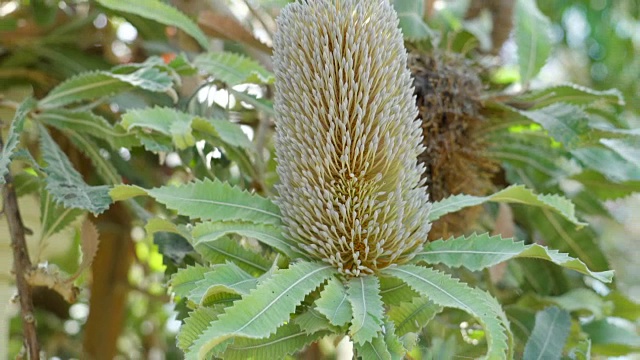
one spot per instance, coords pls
(21, 265)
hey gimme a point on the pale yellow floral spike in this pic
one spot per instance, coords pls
(347, 139)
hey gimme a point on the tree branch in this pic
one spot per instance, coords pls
(21, 265)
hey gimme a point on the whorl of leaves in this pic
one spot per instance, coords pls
(347, 138)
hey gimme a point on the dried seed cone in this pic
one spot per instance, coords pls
(347, 139)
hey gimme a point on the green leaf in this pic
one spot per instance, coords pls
(98, 84)
(180, 126)
(573, 94)
(410, 16)
(628, 149)
(412, 316)
(376, 349)
(225, 249)
(333, 303)
(104, 167)
(288, 339)
(394, 291)
(158, 11)
(17, 124)
(533, 39)
(605, 189)
(222, 278)
(515, 194)
(581, 299)
(271, 235)
(549, 335)
(477, 252)
(582, 351)
(312, 321)
(233, 69)
(89, 124)
(623, 306)
(266, 308)
(367, 308)
(208, 200)
(610, 164)
(195, 324)
(609, 339)
(445, 291)
(53, 217)
(185, 280)
(565, 123)
(65, 183)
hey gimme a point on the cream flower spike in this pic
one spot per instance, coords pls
(347, 138)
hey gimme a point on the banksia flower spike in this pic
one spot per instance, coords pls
(347, 139)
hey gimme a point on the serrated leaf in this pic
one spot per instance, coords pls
(222, 278)
(233, 69)
(89, 124)
(225, 249)
(195, 324)
(376, 349)
(271, 235)
(103, 166)
(266, 308)
(158, 11)
(610, 164)
(532, 38)
(565, 123)
(312, 321)
(573, 94)
(54, 217)
(394, 291)
(410, 16)
(412, 316)
(334, 304)
(288, 339)
(476, 252)
(98, 84)
(515, 194)
(13, 138)
(65, 183)
(179, 126)
(208, 200)
(186, 279)
(367, 308)
(628, 149)
(549, 335)
(448, 292)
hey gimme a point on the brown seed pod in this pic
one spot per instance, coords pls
(448, 98)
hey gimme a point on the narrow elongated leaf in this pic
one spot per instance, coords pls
(366, 305)
(89, 124)
(65, 183)
(608, 338)
(98, 84)
(233, 69)
(225, 249)
(394, 291)
(448, 292)
(103, 166)
(179, 126)
(271, 235)
(515, 194)
(312, 321)
(477, 252)
(11, 143)
(195, 324)
(628, 149)
(573, 94)
(185, 280)
(412, 316)
(609, 163)
(222, 278)
(549, 335)
(288, 339)
(266, 308)
(208, 200)
(565, 123)
(605, 189)
(334, 304)
(533, 39)
(54, 217)
(158, 11)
